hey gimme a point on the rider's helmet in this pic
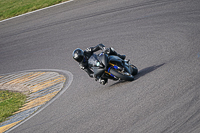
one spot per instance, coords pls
(78, 54)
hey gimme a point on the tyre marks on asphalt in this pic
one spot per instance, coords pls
(40, 86)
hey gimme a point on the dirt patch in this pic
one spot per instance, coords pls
(15, 88)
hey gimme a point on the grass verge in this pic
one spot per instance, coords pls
(10, 102)
(11, 8)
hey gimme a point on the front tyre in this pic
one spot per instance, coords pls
(121, 74)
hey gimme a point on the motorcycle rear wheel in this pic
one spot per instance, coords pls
(135, 70)
(122, 75)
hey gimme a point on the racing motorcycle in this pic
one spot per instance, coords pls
(112, 67)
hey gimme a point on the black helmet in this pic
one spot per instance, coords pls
(78, 54)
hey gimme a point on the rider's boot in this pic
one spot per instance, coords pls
(103, 81)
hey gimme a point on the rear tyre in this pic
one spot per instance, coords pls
(135, 70)
(122, 75)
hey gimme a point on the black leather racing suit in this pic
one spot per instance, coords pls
(87, 54)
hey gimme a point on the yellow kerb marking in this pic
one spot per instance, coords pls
(6, 127)
(31, 79)
(26, 77)
(47, 83)
(37, 102)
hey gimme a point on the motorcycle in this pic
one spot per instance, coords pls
(112, 67)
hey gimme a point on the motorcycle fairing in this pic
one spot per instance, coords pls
(104, 59)
(93, 61)
(98, 71)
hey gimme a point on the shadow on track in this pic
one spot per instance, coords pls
(147, 70)
(141, 73)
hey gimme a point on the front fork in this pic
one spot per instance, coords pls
(112, 66)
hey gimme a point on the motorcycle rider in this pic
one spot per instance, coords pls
(82, 58)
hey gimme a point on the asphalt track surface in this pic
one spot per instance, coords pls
(161, 37)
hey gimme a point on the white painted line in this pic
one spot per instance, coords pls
(37, 10)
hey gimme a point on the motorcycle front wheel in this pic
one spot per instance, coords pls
(121, 74)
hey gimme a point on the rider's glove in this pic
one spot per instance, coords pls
(103, 48)
(107, 51)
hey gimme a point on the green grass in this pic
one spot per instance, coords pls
(10, 102)
(11, 8)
